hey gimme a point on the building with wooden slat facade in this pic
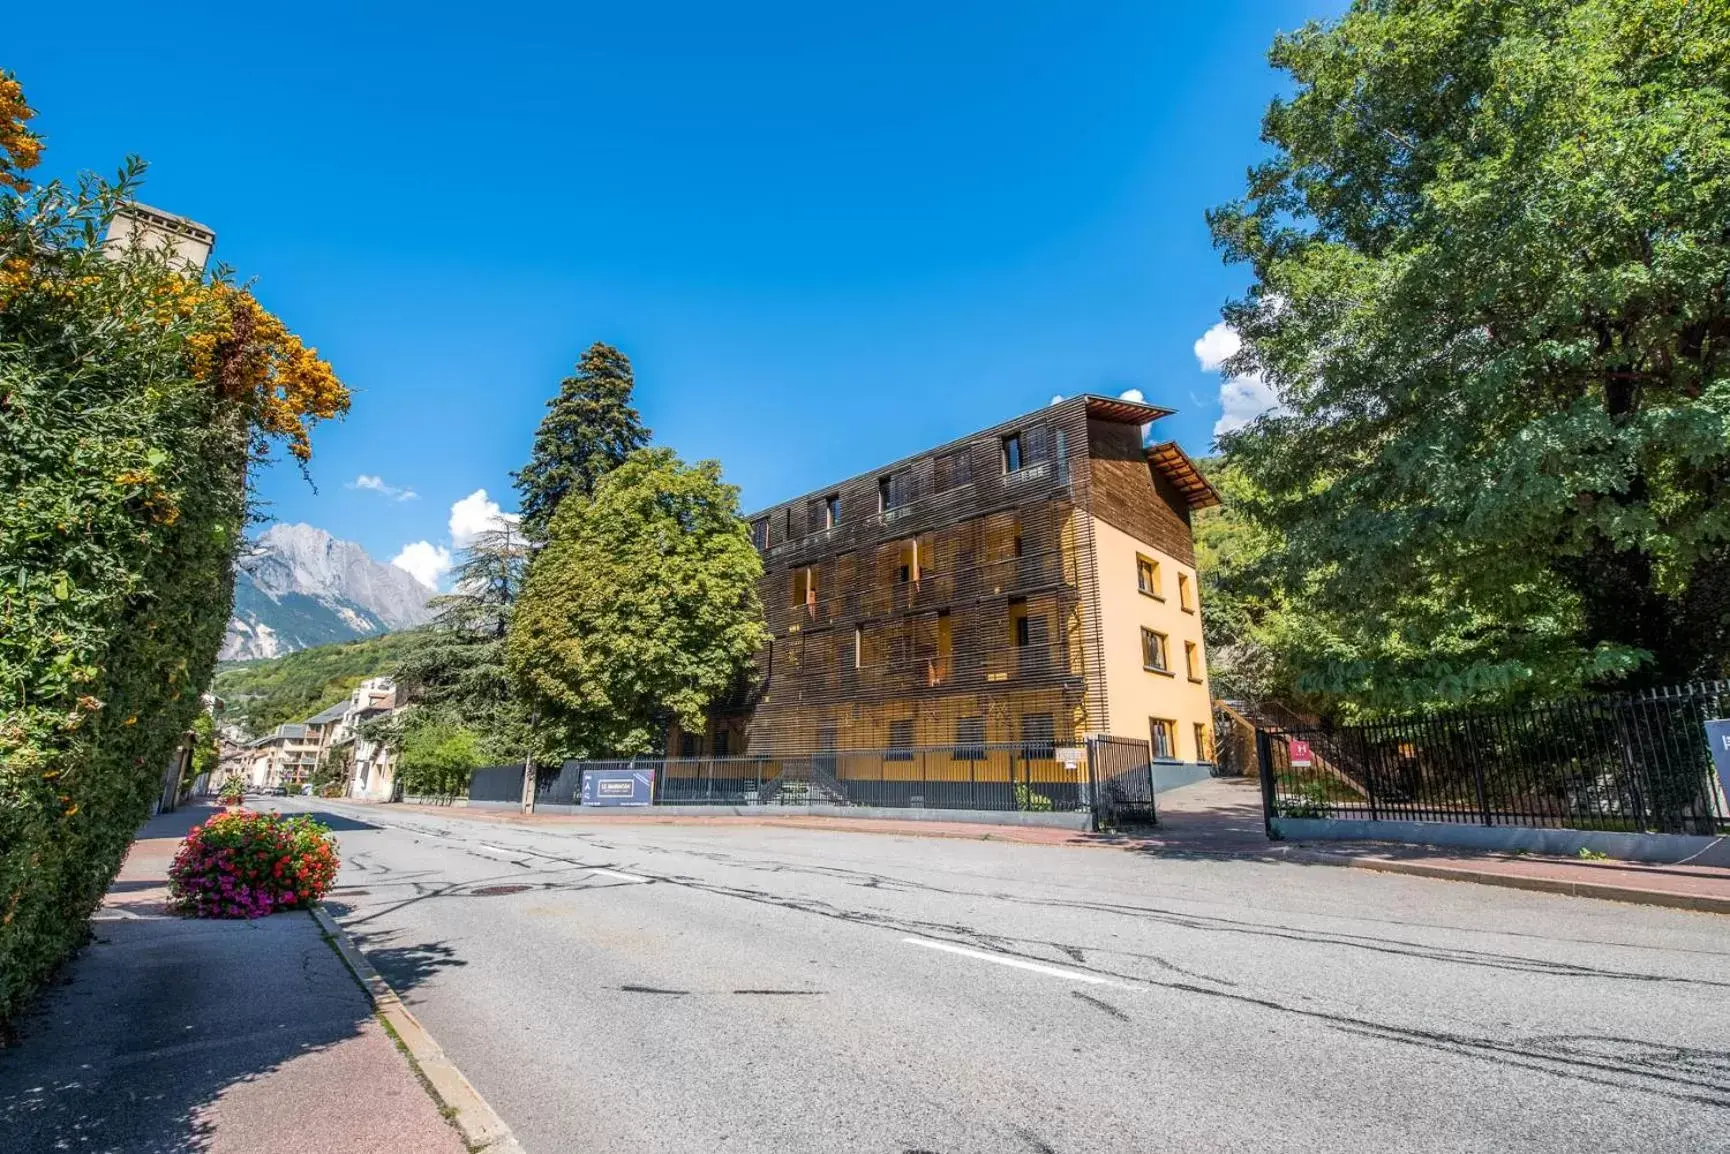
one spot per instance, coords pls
(1031, 585)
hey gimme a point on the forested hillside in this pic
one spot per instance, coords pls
(260, 695)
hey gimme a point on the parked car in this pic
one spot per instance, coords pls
(279, 791)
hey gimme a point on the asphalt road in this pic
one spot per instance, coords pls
(688, 988)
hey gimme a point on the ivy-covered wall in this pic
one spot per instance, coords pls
(133, 398)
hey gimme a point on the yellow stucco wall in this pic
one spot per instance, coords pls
(1132, 694)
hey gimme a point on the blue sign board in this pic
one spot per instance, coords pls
(619, 787)
(1718, 737)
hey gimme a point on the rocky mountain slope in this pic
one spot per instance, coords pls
(298, 587)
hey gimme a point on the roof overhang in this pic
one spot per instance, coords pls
(1122, 411)
(1174, 465)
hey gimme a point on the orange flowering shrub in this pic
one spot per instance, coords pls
(19, 147)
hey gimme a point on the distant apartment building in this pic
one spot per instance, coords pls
(289, 754)
(1031, 585)
(284, 756)
(371, 765)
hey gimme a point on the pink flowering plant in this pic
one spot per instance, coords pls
(247, 865)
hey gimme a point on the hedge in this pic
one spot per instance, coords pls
(133, 399)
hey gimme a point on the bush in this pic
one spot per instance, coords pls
(133, 398)
(247, 865)
(1027, 799)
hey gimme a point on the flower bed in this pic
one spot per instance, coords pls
(247, 865)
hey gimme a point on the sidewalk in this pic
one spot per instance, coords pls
(170, 1034)
(1222, 818)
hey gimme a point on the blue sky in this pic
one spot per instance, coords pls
(826, 237)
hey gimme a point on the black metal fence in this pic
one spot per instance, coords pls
(497, 783)
(982, 777)
(1634, 763)
(1110, 777)
(1121, 776)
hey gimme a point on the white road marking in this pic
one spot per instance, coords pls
(617, 875)
(1019, 963)
(501, 849)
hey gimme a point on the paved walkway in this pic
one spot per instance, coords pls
(170, 1034)
(1222, 817)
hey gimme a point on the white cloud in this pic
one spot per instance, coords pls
(1216, 346)
(1243, 398)
(1132, 395)
(474, 515)
(424, 561)
(1057, 398)
(376, 484)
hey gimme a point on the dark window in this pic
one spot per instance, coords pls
(831, 510)
(690, 745)
(760, 533)
(1164, 735)
(885, 494)
(1012, 453)
(953, 470)
(1153, 654)
(1062, 454)
(969, 739)
(1018, 622)
(1038, 735)
(900, 741)
(722, 741)
(787, 523)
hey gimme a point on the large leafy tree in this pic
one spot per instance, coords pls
(455, 671)
(1491, 254)
(590, 427)
(641, 607)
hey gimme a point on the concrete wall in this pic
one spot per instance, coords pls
(1666, 848)
(1133, 695)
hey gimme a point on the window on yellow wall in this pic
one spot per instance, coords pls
(1185, 595)
(1153, 652)
(1147, 576)
(1192, 660)
(1203, 750)
(1164, 736)
(900, 741)
(969, 739)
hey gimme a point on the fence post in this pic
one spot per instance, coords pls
(1368, 772)
(1264, 759)
(1477, 772)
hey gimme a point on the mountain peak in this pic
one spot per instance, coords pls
(298, 586)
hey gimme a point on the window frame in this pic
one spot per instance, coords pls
(1192, 662)
(1157, 726)
(1030, 745)
(1203, 742)
(1164, 652)
(1185, 593)
(899, 750)
(965, 747)
(1012, 450)
(831, 510)
(1153, 587)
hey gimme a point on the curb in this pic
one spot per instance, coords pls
(479, 1124)
(1698, 903)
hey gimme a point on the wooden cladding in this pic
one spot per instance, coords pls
(1127, 494)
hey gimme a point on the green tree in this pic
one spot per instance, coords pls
(642, 606)
(1490, 263)
(456, 667)
(436, 755)
(590, 427)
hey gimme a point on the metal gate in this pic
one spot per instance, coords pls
(1120, 774)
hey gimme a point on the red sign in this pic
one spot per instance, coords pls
(1299, 751)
